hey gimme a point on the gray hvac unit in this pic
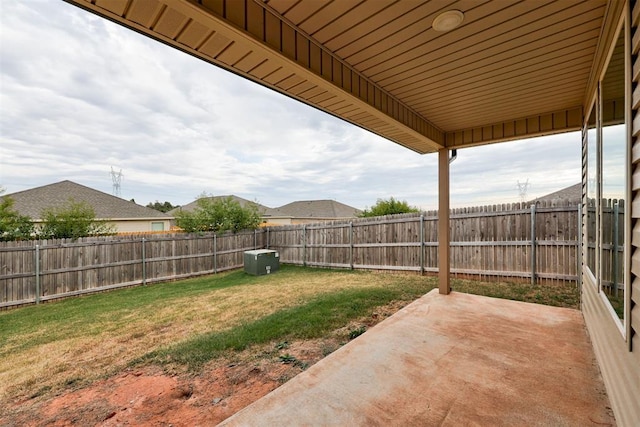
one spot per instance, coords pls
(261, 261)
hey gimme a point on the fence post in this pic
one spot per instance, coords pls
(351, 244)
(579, 253)
(144, 262)
(37, 256)
(533, 244)
(422, 244)
(255, 239)
(215, 253)
(268, 242)
(304, 245)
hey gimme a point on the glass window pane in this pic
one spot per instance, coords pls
(613, 172)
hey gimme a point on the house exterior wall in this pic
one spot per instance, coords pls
(276, 221)
(617, 344)
(620, 367)
(128, 226)
(144, 225)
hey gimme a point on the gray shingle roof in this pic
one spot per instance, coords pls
(243, 202)
(316, 209)
(32, 202)
(572, 193)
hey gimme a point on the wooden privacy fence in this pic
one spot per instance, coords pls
(35, 271)
(537, 243)
(540, 242)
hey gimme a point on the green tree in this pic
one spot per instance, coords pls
(13, 226)
(162, 207)
(388, 207)
(219, 215)
(75, 220)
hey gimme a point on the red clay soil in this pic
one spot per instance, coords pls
(151, 397)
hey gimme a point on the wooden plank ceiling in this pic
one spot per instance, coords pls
(512, 69)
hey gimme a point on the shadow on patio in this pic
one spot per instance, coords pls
(450, 360)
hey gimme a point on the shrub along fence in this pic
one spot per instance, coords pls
(516, 242)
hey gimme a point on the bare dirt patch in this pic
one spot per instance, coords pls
(155, 396)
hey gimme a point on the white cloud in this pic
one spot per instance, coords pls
(80, 94)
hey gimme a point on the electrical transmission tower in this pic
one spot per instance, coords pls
(522, 189)
(116, 177)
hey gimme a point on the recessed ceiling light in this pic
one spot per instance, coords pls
(448, 20)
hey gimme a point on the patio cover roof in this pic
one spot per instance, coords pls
(512, 69)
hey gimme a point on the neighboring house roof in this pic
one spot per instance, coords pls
(572, 193)
(322, 209)
(316, 209)
(243, 202)
(55, 196)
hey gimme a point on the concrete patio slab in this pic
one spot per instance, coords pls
(456, 360)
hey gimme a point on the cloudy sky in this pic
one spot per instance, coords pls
(80, 95)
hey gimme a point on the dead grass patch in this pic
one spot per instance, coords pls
(99, 343)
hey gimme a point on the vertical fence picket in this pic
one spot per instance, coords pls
(351, 245)
(215, 253)
(579, 248)
(37, 262)
(421, 244)
(304, 245)
(144, 263)
(533, 244)
(615, 243)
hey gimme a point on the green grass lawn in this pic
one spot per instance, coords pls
(313, 319)
(48, 347)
